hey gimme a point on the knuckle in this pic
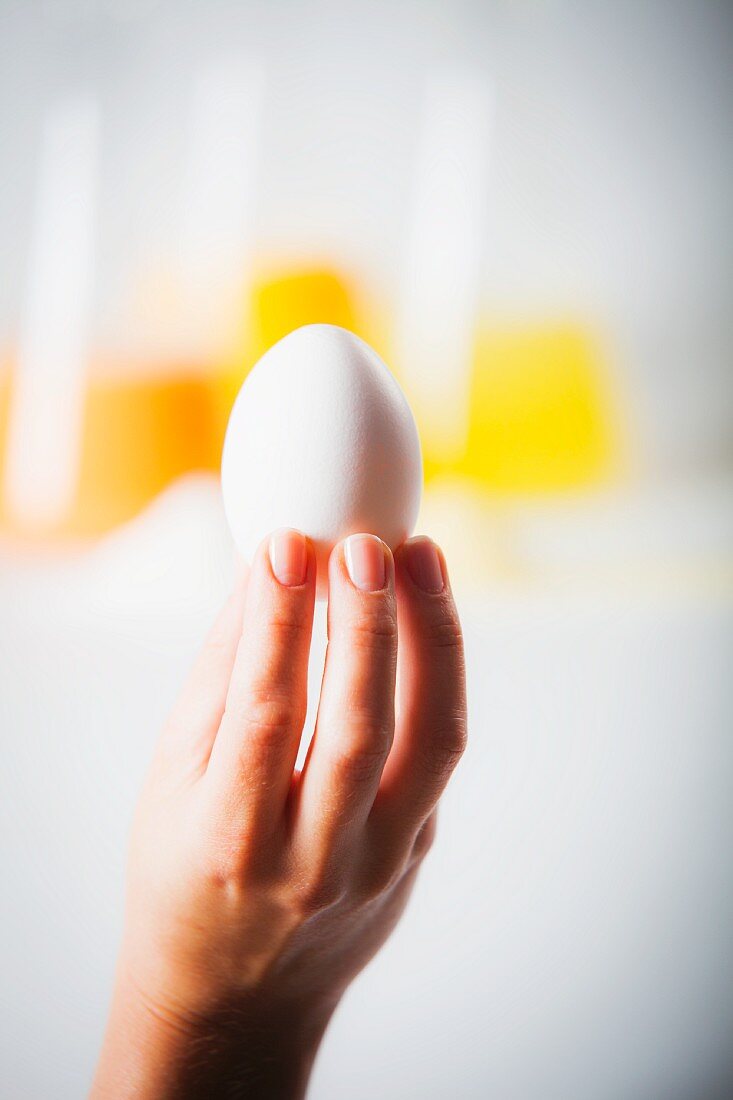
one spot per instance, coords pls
(424, 841)
(270, 717)
(382, 877)
(369, 732)
(317, 893)
(362, 761)
(445, 749)
(219, 639)
(375, 628)
(284, 628)
(216, 647)
(445, 632)
(230, 871)
(227, 846)
(228, 866)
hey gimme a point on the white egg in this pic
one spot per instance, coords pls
(321, 439)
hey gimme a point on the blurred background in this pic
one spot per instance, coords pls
(525, 208)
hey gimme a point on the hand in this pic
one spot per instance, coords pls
(256, 894)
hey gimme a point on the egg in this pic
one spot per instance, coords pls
(321, 439)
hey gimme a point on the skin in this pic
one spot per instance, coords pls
(255, 894)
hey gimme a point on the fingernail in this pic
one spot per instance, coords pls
(289, 557)
(424, 565)
(365, 562)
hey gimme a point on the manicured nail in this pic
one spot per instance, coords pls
(424, 566)
(289, 557)
(365, 562)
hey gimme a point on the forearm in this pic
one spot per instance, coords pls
(231, 1051)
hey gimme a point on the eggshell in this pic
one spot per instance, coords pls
(321, 439)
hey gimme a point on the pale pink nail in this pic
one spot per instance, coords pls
(365, 561)
(424, 566)
(289, 557)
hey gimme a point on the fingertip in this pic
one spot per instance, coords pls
(362, 562)
(424, 563)
(287, 558)
(288, 554)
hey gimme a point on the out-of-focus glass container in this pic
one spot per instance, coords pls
(507, 215)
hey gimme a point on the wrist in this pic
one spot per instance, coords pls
(245, 1044)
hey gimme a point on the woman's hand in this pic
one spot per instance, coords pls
(256, 893)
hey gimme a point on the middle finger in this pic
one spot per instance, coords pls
(355, 723)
